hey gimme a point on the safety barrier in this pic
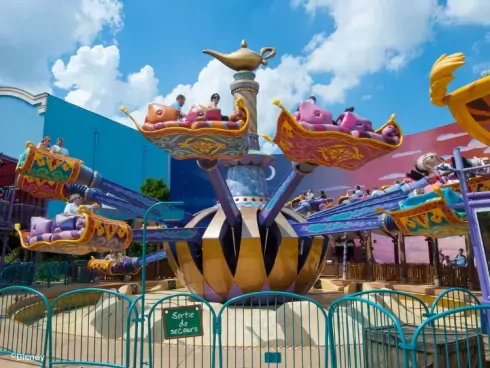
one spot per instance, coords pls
(378, 328)
(40, 274)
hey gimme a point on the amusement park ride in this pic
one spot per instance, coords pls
(251, 241)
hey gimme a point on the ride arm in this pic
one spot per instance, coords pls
(283, 192)
(222, 191)
(341, 226)
(175, 234)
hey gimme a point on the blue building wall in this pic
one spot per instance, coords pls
(117, 152)
(191, 185)
(19, 122)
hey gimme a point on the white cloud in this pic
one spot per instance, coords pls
(467, 12)
(366, 97)
(487, 150)
(474, 144)
(360, 44)
(32, 33)
(289, 82)
(407, 153)
(447, 136)
(93, 80)
(478, 45)
(479, 68)
(392, 176)
(446, 157)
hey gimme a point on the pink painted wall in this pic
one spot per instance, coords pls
(415, 248)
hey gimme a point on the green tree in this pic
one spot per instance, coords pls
(156, 188)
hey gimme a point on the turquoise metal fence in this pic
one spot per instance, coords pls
(22, 312)
(449, 339)
(268, 328)
(361, 331)
(172, 339)
(408, 308)
(93, 326)
(103, 328)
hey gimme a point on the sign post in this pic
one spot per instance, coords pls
(182, 322)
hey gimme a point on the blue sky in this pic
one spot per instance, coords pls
(373, 55)
(178, 59)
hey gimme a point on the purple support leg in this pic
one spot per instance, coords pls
(222, 191)
(283, 192)
(476, 240)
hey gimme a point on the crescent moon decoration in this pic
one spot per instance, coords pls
(273, 173)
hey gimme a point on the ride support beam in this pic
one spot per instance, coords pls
(221, 189)
(283, 192)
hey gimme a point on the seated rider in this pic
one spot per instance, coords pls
(215, 98)
(178, 104)
(349, 109)
(45, 143)
(322, 195)
(59, 149)
(311, 99)
(111, 256)
(76, 200)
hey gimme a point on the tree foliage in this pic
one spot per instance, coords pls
(156, 188)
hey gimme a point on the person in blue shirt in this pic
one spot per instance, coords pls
(179, 103)
(460, 259)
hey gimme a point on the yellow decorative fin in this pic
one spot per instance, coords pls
(441, 75)
(267, 138)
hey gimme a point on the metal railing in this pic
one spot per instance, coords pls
(378, 328)
(39, 274)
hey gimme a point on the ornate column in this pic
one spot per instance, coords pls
(244, 86)
(245, 177)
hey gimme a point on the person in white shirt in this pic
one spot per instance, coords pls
(76, 200)
(59, 149)
(111, 256)
(447, 261)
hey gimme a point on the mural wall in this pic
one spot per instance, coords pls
(191, 185)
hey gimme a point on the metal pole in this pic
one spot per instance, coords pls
(435, 252)
(369, 253)
(470, 262)
(403, 256)
(344, 264)
(475, 238)
(143, 271)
